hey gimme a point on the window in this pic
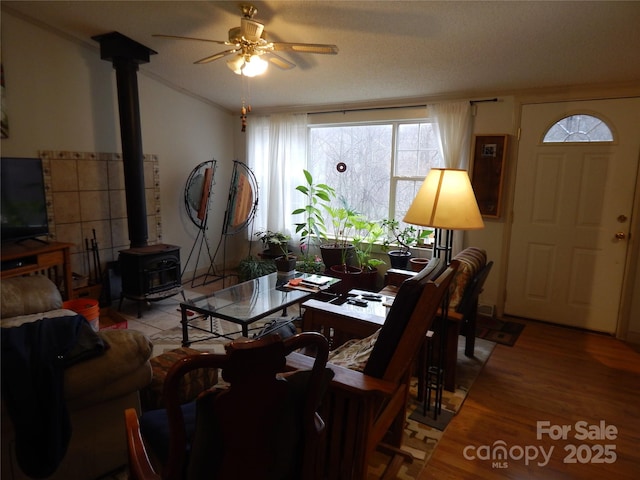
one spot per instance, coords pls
(385, 163)
(579, 128)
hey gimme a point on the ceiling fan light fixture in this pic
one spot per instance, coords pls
(249, 42)
(254, 66)
(236, 64)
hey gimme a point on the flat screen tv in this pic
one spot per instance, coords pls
(23, 201)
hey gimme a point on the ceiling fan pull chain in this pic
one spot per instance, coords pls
(246, 107)
(243, 115)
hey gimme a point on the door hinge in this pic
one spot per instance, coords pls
(519, 132)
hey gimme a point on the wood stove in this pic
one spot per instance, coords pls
(149, 272)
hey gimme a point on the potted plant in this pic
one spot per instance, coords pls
(340, 250)
(310, 264)
(277, 247)
(312, 227)
(403, 239)
(275, 244)
(278, 244)
(368, 233)
(251, 267)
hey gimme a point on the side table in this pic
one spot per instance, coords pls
(340, 322)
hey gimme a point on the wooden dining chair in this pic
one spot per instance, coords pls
(366, 409)
(263, 425)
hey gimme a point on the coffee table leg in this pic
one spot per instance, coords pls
(185, 329)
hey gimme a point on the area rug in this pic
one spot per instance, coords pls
(504, 332)
(420, 439)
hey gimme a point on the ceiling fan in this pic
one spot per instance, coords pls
(250, 45)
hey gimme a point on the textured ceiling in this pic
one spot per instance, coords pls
(390, 51)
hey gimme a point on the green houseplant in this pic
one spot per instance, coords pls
(276, 243)
(252, 267)
(403, 239)
(368, 233)
(340, 249)
(312, 228)
(278, 247)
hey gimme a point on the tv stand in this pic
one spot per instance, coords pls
(35, 239)
(49, 258)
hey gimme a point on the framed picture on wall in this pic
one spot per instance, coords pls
(489, 155)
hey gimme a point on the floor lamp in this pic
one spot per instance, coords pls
(445, 202)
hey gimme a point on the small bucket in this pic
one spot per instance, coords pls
(88, 308)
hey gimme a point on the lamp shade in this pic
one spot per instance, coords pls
(445, 200)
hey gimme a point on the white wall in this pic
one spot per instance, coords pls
(495, 118)
(61, 96)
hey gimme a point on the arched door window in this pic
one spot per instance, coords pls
(579, 128)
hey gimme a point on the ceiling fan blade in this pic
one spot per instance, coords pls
(219, 42)
(305, 48)
(278, 61)
(216, 56)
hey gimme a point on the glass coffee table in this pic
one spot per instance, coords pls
(242, 304)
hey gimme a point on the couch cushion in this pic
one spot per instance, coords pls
(123, 368)
(472, 259)
(192, 384)
(25, 295)
(354, 354)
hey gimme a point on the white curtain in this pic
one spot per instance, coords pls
(454, 130)
(276, 153)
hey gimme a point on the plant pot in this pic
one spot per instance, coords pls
(368, 280)
(336, 255)
(286, 264)
(399, 259)
(276, 250)
(418, 264)
(349, 277)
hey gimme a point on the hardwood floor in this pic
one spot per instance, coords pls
(559, 375)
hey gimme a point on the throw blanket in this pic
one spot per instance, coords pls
(34, 356)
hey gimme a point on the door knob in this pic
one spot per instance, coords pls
(620, 235)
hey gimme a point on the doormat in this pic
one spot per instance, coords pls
(503, 332)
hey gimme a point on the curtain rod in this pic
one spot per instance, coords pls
(369, 109)
(483, 101)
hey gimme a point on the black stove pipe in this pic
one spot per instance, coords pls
(126, 55)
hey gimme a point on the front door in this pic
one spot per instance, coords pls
(572, 216)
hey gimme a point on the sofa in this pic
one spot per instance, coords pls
(96, 390)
